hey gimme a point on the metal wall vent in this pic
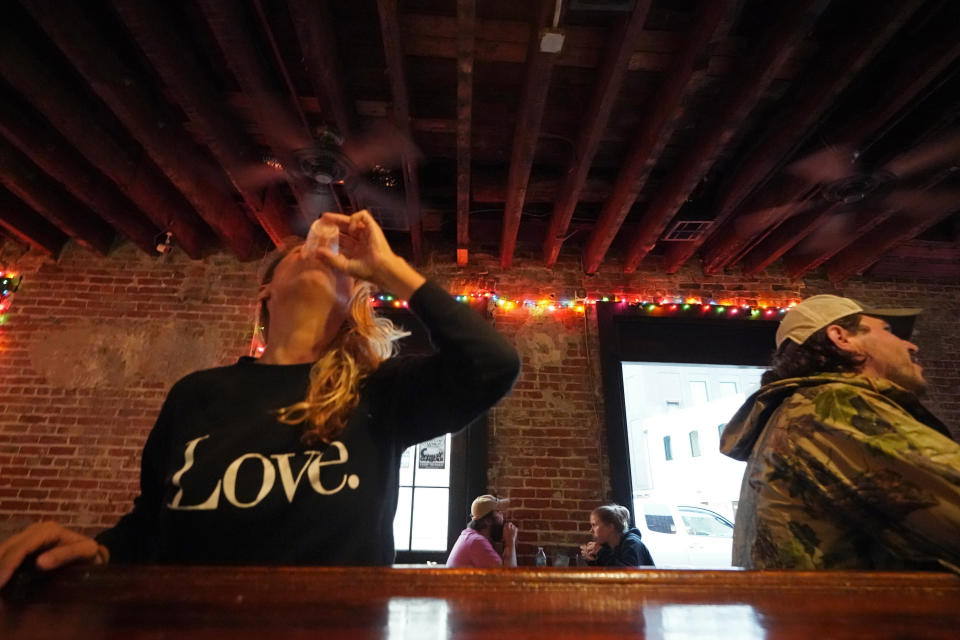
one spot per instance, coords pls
(685, 230)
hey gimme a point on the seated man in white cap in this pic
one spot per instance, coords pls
(475, 546)
(846, 469)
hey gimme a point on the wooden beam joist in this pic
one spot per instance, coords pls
(905, 226)
(24, 225)
(466, 36)
(784, 237)
(396, 74)
(533, 100)
(32, 186)
(829, 235)
(200, 181)
(911, 84)
(311, 19)
(653, 134)
(795, 126)
(612, 71)
(156, 34)
(781, 43)
(273, 114)
(59, 160)
(73, 115)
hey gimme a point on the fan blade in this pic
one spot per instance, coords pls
(919, 204)
(943, 153)
(388, 207)
(280, 126)
(825, 166)
(257, 176)
(383, 144)
(750, 224)
(835, 231)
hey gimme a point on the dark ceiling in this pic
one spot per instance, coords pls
(731, 133)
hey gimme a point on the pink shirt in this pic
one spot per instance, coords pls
(472, 549)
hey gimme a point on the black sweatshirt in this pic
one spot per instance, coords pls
(631, 552)
(223, 482)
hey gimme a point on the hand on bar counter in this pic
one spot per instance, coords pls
(57, 545)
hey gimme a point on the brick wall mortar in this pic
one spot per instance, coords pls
(71, 452)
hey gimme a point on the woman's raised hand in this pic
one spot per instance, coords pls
(366, 254)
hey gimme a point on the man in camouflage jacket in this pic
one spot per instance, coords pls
(846, 469)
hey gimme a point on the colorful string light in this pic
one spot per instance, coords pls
(664, 306)
(9, 283)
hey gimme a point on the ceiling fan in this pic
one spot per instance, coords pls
(332, 171)
(848, 196)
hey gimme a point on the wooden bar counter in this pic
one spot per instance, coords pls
(226, 602)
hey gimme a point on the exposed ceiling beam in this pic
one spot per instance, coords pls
(533, 101)
(828, 235)
(435, 36)
(781, 43)
(272, 113)
(59, 160)
(148, 121)
(488, 186)
(466, 27)
(622, 44)
(915, 80)
(794, 127)
(27, 182)
(169, 53)
(653, 134)
(24, 225)
(868, 248)
(396, 74)
(311, 19)
(784, 237)
(74, 116)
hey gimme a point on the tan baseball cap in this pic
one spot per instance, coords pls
(485, 504)
(816, 312)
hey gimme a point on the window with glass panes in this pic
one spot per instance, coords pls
(424, 498)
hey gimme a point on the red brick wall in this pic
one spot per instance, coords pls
(92, 345)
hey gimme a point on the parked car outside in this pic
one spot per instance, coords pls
(685, 536)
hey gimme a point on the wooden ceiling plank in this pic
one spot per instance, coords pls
(858, 134)
(72, 114)
(784, 237)
(466, 34)
(169, 53)
(24, 225)
(653, 134)
(27, 182)
(870, 247)
(313, 23)
(272, 113)
(170, 148)
(59, 160)
(782, 42)
(768, 155)
(396, 74)
(533, 100)
(612, 71)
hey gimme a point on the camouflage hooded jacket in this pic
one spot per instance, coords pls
(843, 472)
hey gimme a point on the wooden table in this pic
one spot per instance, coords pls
(223, 602)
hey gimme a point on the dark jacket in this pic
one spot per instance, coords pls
(631, 552)
(843, 472)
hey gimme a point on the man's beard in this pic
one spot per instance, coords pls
(496, 532)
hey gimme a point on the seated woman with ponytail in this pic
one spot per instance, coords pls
(615, 543)
(293, 458)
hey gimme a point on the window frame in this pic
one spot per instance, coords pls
(627, 334)
(468, 447)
